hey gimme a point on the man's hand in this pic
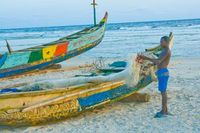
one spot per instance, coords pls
(154, 61)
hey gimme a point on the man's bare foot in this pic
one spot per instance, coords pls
(162, 114)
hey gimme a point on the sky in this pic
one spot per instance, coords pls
(43, 13)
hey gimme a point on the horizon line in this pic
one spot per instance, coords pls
(146, 21)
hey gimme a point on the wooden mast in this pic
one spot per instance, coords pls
(94, 4)
(8, 47)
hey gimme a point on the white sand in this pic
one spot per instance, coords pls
(121, 117)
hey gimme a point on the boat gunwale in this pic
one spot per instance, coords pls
(57, 90)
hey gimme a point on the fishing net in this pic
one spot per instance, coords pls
(132, 74)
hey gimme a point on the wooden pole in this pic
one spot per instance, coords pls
(137, 97)
(94, 4)
(8, 47)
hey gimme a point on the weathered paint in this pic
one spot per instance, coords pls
(112, 94)
(87, 39)
(48, 52)
(45, 114)
(16, 59)
(22, 70)
(35, 56)
(3, 59)
(61, 49)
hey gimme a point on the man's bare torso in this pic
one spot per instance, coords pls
(167, 54)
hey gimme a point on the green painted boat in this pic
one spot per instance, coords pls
(39, 57)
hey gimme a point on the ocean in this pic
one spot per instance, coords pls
(121, 39)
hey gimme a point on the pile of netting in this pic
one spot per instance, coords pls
(132, 74)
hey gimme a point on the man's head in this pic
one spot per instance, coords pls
(164, 41)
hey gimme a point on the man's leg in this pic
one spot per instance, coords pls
(162, 87)
(164, 103)
(164, 111)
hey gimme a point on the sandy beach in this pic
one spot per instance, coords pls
(50, 43)
(129, 116)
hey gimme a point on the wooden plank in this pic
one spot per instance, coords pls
(44, 71)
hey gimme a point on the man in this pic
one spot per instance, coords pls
(162, 74)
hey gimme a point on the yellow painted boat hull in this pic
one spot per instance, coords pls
(41, 107)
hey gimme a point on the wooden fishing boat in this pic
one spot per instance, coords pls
(41, 107)
(39, 57)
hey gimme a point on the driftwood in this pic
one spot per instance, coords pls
(137, 97)
(54, 66)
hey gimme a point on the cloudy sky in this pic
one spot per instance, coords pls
(36, 13)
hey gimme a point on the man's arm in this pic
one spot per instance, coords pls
(159, 60)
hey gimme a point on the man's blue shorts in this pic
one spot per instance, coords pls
(163, 77)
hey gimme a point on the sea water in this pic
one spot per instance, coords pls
(121, 39)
